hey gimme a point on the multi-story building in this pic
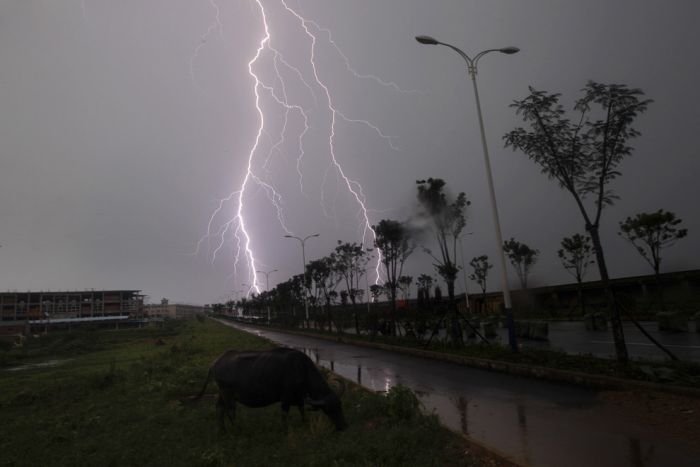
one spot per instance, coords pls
(20, 310)
(172, 311)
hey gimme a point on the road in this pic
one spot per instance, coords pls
(572, 337)
(532, 422)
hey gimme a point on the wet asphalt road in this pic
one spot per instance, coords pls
(572, 337)
(529, 421)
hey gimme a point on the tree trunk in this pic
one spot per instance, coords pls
(392, 291)
(330, 318)
(659, 289)
(616, 322)
(455, 329)
(581, 301)
(354, 314)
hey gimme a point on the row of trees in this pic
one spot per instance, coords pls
(649, 233)
(582, 154)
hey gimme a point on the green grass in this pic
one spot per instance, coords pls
(116, 401)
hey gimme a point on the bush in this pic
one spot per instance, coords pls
(402, 403)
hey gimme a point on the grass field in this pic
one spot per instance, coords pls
(113, 398)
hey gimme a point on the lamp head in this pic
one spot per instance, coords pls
(509, 50)
(427, 40)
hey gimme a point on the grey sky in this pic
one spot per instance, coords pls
(116, 141)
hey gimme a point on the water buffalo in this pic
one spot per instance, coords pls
(261, 378)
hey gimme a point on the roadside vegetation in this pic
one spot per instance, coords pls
(114, 398)
(677, 373)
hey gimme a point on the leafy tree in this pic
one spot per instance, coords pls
(583, 155)
(481, 266)
(325, 279)
(393, 240)
(350, 261)
(651, 232)
(405, 286)
(376, 291)
(447, 218)
(576, 255)
(291, 294)
(425, 283)
(437, 294)
(359, 295)
(522, 257)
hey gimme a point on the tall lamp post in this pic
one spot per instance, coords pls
(267, 289)
(303, 259)
(267, 278)
(472, 69)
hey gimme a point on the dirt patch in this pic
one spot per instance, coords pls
(676, 415)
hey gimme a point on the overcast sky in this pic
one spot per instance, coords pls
(123, 124)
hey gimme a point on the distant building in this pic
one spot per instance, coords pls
(22, 311)
(166, 310)
(639, 294)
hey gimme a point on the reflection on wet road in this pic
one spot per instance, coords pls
(572, 337)
(529, 421)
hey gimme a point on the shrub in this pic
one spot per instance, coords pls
(402, 403)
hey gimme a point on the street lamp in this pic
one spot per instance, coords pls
(267, 278)
(267, 289)
(472, 69)
(303, 259)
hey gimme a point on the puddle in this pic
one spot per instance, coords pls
(33, 366)
(529, 421)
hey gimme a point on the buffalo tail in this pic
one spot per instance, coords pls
(204, 388)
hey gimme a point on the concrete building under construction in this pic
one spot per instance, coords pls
(166, 310)
(20, 311)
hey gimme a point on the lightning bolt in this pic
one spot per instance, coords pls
(357, 74)
(214, 26)
(275, 88)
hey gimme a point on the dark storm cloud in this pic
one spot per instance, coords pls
(112, 159)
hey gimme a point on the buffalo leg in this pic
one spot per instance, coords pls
(285, 415)
(220, 409)
(225, 405)
(231, 410)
